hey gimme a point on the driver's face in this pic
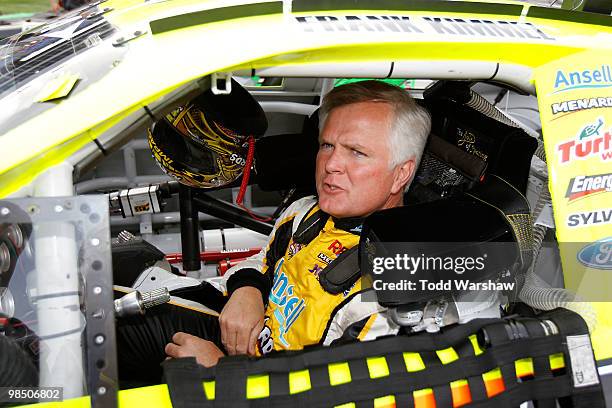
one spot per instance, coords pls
(353, 175)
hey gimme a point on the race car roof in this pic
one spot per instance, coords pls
(150, 48)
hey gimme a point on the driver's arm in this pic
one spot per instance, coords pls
(249, 284)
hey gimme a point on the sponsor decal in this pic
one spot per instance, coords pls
(142, 208)
(582, 186)
(467, 140)
(336, 247)
(475, 28)
(600, 77)
(590, 142)
(588, 218)
(324, 258)
(316, 270)
(590, 130)
(294, 248)
(357, 229)
(575, 105)
(597, 254)
(289, 306)
(265, 342)
(346, 292)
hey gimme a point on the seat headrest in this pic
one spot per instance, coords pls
(505, 150)
(493, 219)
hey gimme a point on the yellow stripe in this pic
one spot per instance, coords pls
(209, 389)
(377, 366)
(339, 373)
(384, 402)
(494, 374)
(299, 381)
(258, 386)
(367, 326)
(447, 355)
(523, 367)
(477, 350)
(58, 88)
(459, 384)
(414, 362)
(557, 361)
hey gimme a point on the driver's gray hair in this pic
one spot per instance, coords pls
(411, 125)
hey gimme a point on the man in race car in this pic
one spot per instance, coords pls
(371, 139)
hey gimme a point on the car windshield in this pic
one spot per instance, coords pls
(54, 60)
(27, 54)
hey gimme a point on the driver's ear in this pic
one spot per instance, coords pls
(403, 175)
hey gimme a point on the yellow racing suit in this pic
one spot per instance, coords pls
(299, 312)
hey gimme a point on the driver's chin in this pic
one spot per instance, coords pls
(336, 206)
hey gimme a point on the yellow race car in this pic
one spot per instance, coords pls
(523, 90)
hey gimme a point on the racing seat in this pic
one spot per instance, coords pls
(470, 139)
(492, 221)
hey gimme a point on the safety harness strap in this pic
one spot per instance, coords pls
(398, 366)
(230, 383)
(184, 383)
(362, 387)
(478, 391)
(279, 384)
(341, 273)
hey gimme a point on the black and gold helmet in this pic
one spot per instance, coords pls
(203, 143)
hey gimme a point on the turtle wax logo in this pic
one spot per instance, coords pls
(597, 254)
(583, 186)
(591, 141)
(601, 77)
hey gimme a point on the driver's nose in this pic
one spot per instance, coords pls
(334, 162)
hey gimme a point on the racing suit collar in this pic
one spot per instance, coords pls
(350, 224)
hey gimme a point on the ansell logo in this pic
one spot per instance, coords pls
(588, 78)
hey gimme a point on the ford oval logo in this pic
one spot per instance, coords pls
(597, 254)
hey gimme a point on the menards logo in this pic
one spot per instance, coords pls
(583, 186)
(575, 105)
(591, 141)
